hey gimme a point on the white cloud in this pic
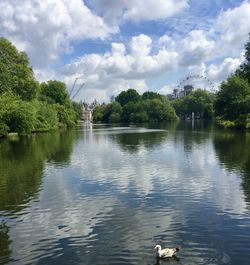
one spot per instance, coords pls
(165, 90)
(154, 9)
(138, 10)
(46, 28)
(196, 47)
(231, 30)
(122, 67)
(227, 67)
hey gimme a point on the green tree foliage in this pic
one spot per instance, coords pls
(232, 104)
(130, 109)
(233, 100)
(46, 117)
(112, 112)
(244, 70)
(178, 106)
(16, 115)
(154, 107)
(158, 110)
(98, 113)
(66, 116)
(55, 91)
(16, 75)
(152, 95)
(126, 96)
(78, 108)
(108, 113)
(22, 109)
(199, 101)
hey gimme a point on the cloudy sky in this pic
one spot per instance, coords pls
(112, 45)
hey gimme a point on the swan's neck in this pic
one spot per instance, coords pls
(158, 253)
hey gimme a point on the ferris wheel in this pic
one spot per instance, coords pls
(196, 81)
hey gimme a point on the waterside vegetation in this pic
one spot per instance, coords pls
(27, 106)
(230, 106)
(129, 106)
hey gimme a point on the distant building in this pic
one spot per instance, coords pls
(188, 89)
(180, 93)
(175, 93)
(170, 96)
(87, 111)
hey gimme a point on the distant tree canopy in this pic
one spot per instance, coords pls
(131, 107)
(127, 96)
(55, 92)
(200, 102)
(78, 108)
(16, 74)
(152, 95)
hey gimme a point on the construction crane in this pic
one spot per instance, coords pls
(73, 87)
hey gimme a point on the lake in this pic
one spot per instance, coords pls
(106, 194)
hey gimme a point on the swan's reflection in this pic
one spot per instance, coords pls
(167, 260)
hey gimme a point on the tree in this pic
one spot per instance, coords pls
(178, 106)
(55, 92)
(158, 110)
(199, 102)
(244, 70)
(16, 115)
(233, 98)
(151, 95)
(126, 96)
(112, 112)
(16, 75)
(78, 108)
(128, 109)
(98, 113)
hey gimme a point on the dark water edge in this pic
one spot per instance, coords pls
(106, 194)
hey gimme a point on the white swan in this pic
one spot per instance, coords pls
(166, 252)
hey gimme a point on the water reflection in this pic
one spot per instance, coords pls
(5, 251)
(233, 150)
(173, 260)
(22, 163)
(139, 140)
(108, 195)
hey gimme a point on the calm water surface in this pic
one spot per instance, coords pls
(108, 195)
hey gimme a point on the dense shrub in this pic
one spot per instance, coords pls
(45, 116)
(16, 115)
(66, 116)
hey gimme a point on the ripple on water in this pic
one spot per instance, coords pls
(124, 190)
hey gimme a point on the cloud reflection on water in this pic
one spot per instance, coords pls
(120, 200)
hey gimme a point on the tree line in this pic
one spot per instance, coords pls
(26, 105)
(29, 106)
(230, 106)
(129, 106)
